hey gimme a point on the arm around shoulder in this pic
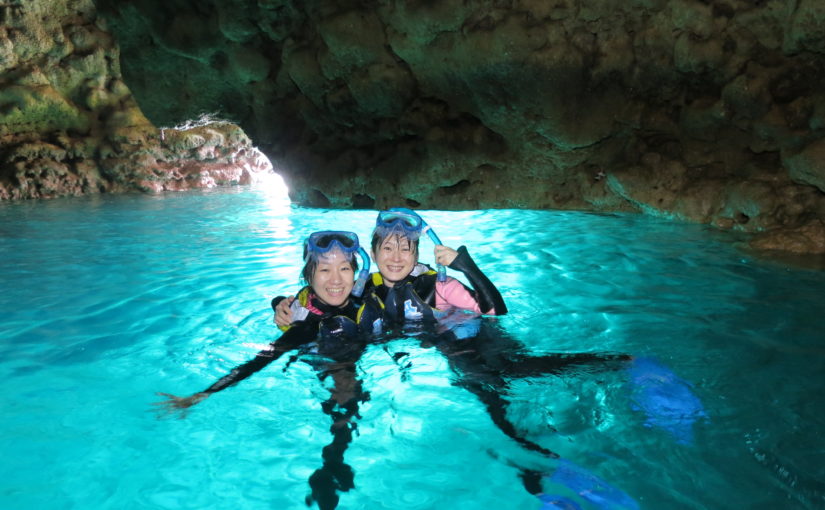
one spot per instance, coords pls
(290, 340)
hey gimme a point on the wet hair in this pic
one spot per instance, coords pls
(377, 241)
(312, 264)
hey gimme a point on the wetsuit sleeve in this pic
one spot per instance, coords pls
(298, 335)
(453, 293)
(486, 294)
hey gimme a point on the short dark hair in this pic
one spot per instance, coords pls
(312, 264)
(377, 241)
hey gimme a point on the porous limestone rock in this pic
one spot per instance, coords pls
(700, 110)
(70, 126)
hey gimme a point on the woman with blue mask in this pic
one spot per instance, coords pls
(485, 358)
(325, 329)
(407, 294)
(407, 290)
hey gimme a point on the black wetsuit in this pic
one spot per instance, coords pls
(315, 333)
(332, 344)
(483, 362)
(415, 295)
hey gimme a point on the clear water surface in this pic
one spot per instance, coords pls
(110, 299)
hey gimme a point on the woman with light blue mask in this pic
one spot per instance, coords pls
(408, 290)
(326, 336)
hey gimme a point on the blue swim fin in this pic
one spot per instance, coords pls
(553, 502)
(586, 485)
(667, 401)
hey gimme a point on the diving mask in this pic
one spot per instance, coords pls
(321, 243)
(400, 220)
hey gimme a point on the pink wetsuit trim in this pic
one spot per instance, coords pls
(311, 307)
(451, 293)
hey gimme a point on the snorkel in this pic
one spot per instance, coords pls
(361, 281)
(412, 225)
(441, 270)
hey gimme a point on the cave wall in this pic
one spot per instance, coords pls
(703, 110)
(69, 125)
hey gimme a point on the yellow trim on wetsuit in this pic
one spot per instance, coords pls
(360, 314)
(303, 296)
(377, 279)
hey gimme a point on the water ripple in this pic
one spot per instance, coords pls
(111, 299)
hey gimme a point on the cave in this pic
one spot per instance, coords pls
(700, 111)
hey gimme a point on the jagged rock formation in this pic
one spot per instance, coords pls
(70, 126)
(703, 110)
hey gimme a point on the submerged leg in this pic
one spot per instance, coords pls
(496, 351)
(497, 409)
(483, 379)
(335, 475)
(529, 366)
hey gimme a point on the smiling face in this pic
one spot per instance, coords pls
(333, 278)
(396, 257)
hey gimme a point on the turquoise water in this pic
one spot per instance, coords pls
(108, 300)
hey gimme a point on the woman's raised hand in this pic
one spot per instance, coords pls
(444, 255)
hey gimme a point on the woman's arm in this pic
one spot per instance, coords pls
(298, 335)
(451, 293)
(485, 293)
(241, 372)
